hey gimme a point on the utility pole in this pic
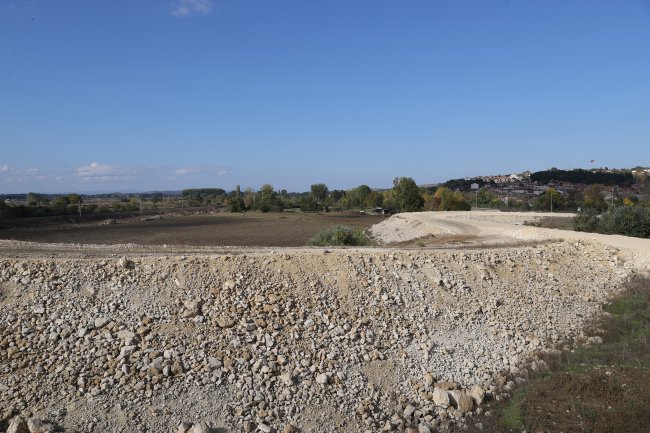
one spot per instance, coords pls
(476, 199)
(551, 203)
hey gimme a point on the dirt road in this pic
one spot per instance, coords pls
(493, 228)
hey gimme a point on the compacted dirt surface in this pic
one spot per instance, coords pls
(220, 229)
(128, 338)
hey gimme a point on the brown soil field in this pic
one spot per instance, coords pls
(224, 229)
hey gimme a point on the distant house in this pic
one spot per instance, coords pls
(474, 186)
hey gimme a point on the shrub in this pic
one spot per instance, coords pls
(625, 220)
(586, 221)
(339, 235)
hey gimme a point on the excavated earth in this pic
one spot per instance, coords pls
(313, 340)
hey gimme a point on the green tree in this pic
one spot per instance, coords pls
(235, 201)
(549, 200)
(487, 198)
(34, 199)
(267, 198)
(447, 200)
(594, 199)
(319, 193)
(407, 195)
(374, 199)
(60, 202)
(74, 198)
(357, 196)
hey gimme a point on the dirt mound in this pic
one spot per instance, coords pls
(338, 340)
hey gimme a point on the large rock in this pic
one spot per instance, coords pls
(17, 425)
(477, 393)
(225, 322)
(428, 380)
(441, 397)
(39, 426)
(461, 400)
(183, 427)
(322, 379)
(201, 427)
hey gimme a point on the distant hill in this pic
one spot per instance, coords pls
(587, 177)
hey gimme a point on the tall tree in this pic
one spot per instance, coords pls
(319, 193)
(407, 194)
(594, 199)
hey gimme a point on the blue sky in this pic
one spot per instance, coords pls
(149, 95)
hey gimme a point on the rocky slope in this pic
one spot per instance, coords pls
(311, 340)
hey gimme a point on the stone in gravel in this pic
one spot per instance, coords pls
(461, 400)
(225, 322)
(477, 393)
(408, 412)
(428, 380)
(177, 368)
(595, 340)
(17, 425)
(422, 428)
(289, 428)
(124, 262)
(440, 397)
(100, 322)
(322, 379)
(183, 427)
(201, 427)
(447, 385)
(264, 428)
(38, 426)
(286, 379)
(125, 335)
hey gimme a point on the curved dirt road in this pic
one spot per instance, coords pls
(492, 228)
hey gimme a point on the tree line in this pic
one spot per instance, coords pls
(404, 196)
(586, 177)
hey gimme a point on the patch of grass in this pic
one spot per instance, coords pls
(339, 235)
(551, 222)
(510, 415)
(593, 388)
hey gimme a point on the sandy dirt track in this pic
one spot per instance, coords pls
(494, 228)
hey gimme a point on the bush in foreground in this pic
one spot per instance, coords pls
(339, 235)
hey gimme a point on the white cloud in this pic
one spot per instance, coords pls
(32, 171)
(223, 172)
(103, 172)
(4, 168)
(185, 8)
(184, 171)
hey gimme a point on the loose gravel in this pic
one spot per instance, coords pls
(303, 340)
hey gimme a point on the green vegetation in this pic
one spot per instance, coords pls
(594, 387)
(587, 177)
(406, 195)
(339, 235)
(622, 220)
(445, 199)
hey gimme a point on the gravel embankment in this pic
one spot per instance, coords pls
(345, 340)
